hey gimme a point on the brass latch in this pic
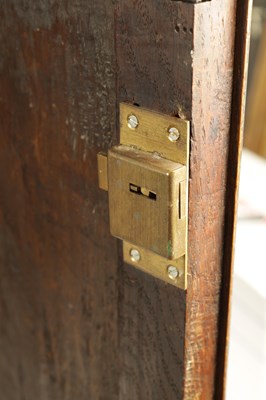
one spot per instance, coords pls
(147, 180)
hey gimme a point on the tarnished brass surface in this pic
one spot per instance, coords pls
(147, 180)
(156, 265)
(152, 133)
(102, 171)
(150, 222)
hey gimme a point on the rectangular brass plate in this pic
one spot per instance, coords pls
(146, 201)
(152, 133)
(151, 136)
(157, 266)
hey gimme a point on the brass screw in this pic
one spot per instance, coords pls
(132, 121)
(173, 134)
(135, 255)
(173, 272)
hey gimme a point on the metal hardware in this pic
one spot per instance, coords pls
(173, 134)
(173, 272)
(135, 255)
(147, 179)
(132, 121)
(157, 266)
(102, 171)
(144, 201)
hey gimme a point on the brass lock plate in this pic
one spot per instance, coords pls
(145, 201)
(147, 179)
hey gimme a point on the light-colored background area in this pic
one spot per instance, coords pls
(247, 349)
(247, 346)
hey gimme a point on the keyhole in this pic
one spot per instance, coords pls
(142, 191)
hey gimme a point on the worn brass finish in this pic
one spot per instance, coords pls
(147, 180)
(151, 133)
(182, 199)
(102, 171)
(156, 265)
(151, 223)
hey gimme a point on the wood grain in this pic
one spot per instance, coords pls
(151, 313)
(76, 322)
(58, 263)
(179, 59)
(213, 61)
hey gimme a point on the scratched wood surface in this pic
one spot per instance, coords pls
(75, 322)
(179, 59)
(58, 295)
(153, 52)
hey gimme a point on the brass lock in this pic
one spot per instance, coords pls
(147, 178)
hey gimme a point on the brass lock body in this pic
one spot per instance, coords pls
(147, 179)
(145, 201)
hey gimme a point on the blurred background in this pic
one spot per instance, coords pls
(247, 346)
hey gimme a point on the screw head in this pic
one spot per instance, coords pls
(173, 134)
(173, 272)
(132, 121)
(135, 255)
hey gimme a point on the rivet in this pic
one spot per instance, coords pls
(132, 121)
(173, 134)
(173, 272)
(135, 255)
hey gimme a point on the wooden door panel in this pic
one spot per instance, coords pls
(58, 261)
(152, 313)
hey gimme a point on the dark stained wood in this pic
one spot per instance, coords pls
(179, 59)
(213, 64)
(154, 70)
(192, 1)
(75, 322)
(58, 263)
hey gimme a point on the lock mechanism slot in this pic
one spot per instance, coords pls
(146, 176)
(142, 191)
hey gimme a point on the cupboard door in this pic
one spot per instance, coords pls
(77, 322)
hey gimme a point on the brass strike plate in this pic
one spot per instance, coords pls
(147, 180)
